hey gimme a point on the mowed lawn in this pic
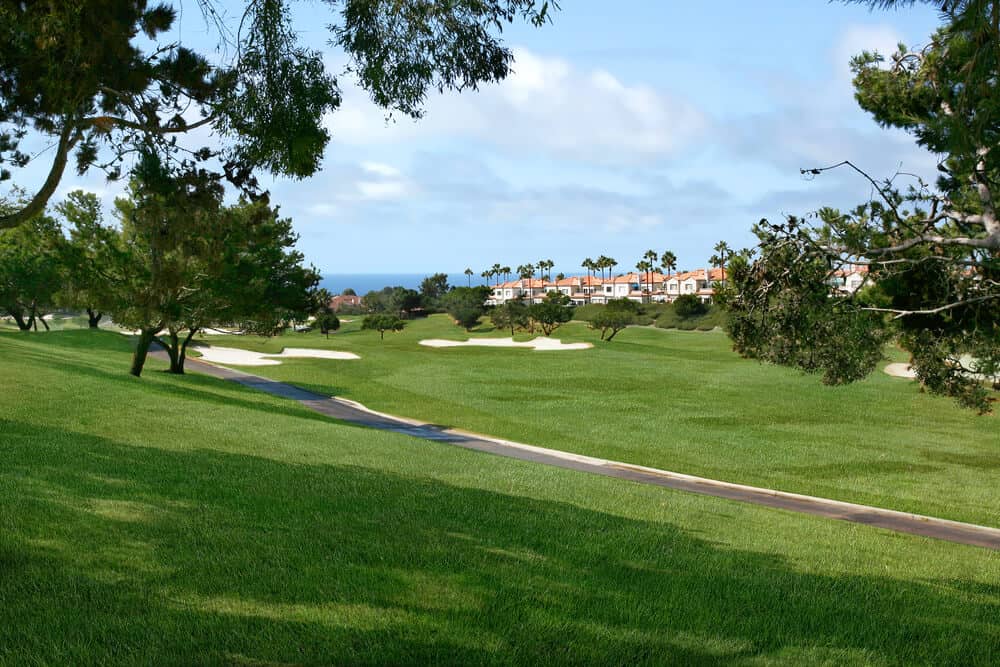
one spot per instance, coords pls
(676, 400)
(184, 520)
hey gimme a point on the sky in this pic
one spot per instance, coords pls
(626, 126)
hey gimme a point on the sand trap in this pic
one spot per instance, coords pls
(541, 343)
(906, 371)
(900, 371)
(237, 357)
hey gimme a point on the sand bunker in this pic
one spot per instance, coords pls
(237, 357)
(540, 343)
(900, 371)
(906, 371)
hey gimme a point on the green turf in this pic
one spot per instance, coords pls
(681, 401)
(170, 520)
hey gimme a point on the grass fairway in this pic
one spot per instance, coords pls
(188, 521)
(676, 400)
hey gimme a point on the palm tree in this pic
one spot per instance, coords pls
(468, 274)
(506, 273)
(668, 261)
(486, 275)
(612, 263)
(641, 266)
(496, 272)
(721, 257)
(527, 272)
(589, 265)
(651, 257)
(544, 265)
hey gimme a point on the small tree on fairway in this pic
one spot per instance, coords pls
(618, 314)
(511, 315)
(553, 311)
(382, 323)
(327, 322)
(466, 305)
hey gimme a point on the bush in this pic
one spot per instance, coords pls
(688, 305)
(712, 317)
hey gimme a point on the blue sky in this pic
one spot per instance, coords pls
(626, 126)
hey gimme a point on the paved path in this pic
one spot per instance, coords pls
(355, 413)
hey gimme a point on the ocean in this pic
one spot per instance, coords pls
(362, 283)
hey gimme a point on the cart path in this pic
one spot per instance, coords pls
(355, 413)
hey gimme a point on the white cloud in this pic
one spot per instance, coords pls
(382, 189)
(380, 169)
(547, 105)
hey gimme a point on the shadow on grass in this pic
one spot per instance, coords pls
(116, 554)
(191, 386)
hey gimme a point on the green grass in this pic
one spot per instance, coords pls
(184, 520)
(681, 401)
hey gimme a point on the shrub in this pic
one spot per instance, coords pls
(688, 305)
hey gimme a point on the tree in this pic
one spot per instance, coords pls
(30, 269)
(181, 262)
(617, 315)
(433, 288)
(932, 255)
(466, 305)
(722, 254)
(468, 274)
(382, 323)
(668, 262)
(75, 75)
(512, 314)
(689, 305)
(554, 310)
(589, 265)
(88, 256)
(544, 267)
(642, 266)
(650, 258)
(349, 292)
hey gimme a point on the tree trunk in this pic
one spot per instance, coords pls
(173, 347)
(18, 316)
(146, 337)
(93, 319)
(44, 323)
(182, 355)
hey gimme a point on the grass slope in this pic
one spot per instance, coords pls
(681, 401)
(188, 521)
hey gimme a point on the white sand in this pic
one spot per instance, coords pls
(900, 371)
(541, 343)
(237, 357)
(906, 371)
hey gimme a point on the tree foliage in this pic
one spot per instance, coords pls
(466, 305)
(511, 314)
(932, 254)
(101, 80)
(553, 311)
(614, 317)
(30, 269)
(381, 323)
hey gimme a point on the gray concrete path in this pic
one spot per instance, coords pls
(355, 413)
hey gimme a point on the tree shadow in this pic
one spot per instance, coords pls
(117, 554)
